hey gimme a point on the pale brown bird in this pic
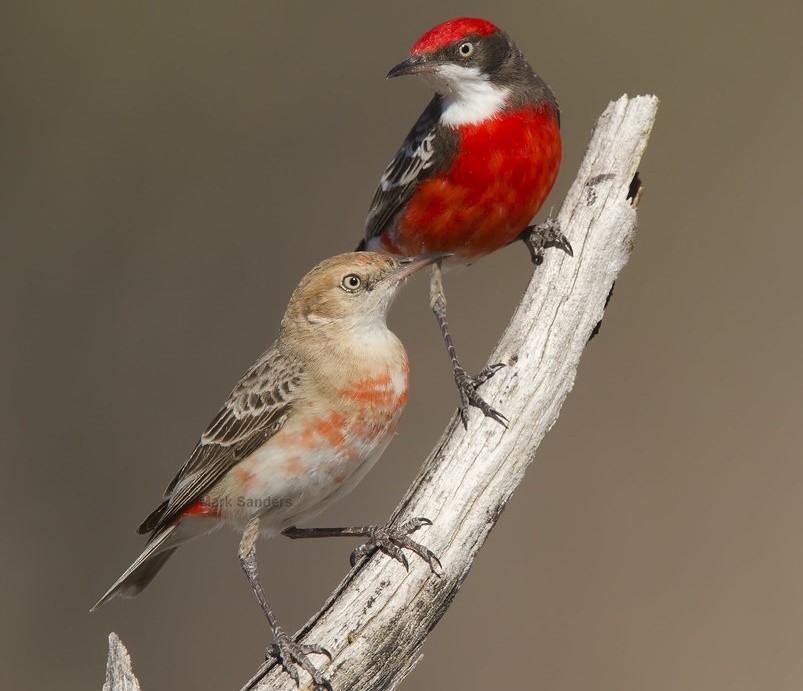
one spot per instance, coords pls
(300, 429)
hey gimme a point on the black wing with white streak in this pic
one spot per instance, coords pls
(255, 410)
(427, 150)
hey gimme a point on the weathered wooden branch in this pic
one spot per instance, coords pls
(377, 620)
(119, 675)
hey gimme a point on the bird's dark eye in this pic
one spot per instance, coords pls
(466, 49)
(351, 283)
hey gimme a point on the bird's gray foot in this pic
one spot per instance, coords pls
(546, 234)
(292, 655)
(467, 389)
(392, 541)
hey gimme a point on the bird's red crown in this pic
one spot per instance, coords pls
(443, 34)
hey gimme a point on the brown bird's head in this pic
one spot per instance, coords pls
(348, 293)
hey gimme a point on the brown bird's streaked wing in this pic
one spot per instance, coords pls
(255, 410)
(427, 150)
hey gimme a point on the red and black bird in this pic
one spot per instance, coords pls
(475, 168)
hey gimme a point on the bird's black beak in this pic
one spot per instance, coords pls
(412, 65)
(409, 265)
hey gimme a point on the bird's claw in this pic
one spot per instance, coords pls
(291, 654)
(392, 541)
(546, 234)
(467, 388)
(486, 373)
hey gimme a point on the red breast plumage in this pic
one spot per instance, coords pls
(501, 174)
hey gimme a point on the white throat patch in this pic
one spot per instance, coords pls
(469, 96)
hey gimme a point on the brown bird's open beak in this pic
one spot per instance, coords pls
(409, 265)
(412, 65)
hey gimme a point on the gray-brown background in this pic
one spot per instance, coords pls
(169, 171)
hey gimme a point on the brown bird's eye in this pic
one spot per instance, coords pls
(466, 49)
(351, 283)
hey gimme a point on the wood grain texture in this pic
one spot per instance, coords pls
(119, 675)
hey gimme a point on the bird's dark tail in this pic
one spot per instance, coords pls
(159, 549)
(362, 246)
(154, 518)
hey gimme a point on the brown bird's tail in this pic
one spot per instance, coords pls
(159, 549)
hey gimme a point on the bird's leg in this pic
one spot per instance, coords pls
(466, 384)
(288, 652)
(384, 538)
(546, 234)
